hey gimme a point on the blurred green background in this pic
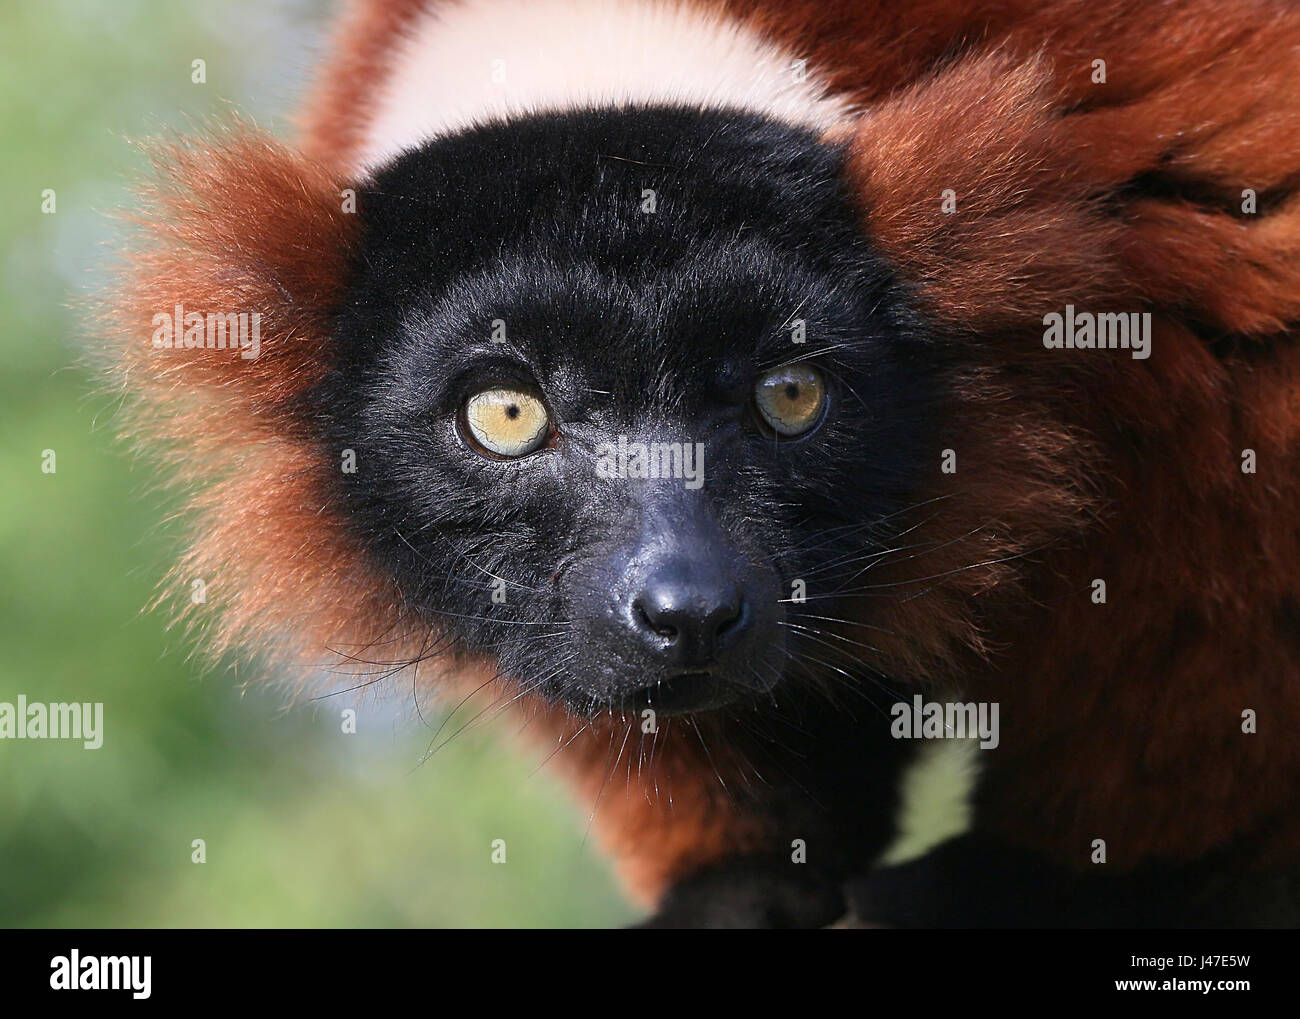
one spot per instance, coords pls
(303, 825)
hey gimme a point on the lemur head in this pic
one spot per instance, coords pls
(622, 386)
(635, 407)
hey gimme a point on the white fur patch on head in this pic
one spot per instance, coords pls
(471, 61)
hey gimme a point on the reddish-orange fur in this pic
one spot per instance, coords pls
(1120, 721)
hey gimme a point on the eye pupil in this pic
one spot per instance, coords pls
(792, 391)
(512, 411)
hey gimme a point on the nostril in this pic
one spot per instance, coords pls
(659, 627)
(732, 618)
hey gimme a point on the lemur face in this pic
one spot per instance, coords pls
(622, 386)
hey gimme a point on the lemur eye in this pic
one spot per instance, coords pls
(505, 423)
(791, 398)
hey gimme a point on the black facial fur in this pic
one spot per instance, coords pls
(654, 326)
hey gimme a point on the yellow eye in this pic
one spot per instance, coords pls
(507, 423)
(791, 398)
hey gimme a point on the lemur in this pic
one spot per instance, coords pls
(691, 379)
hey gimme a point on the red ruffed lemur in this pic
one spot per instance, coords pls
(703, 379)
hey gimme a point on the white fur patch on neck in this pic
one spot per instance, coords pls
(934, 798)
(471, 61)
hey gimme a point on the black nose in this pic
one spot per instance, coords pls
(690, 618)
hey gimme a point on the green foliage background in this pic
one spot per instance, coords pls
(304, 826)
